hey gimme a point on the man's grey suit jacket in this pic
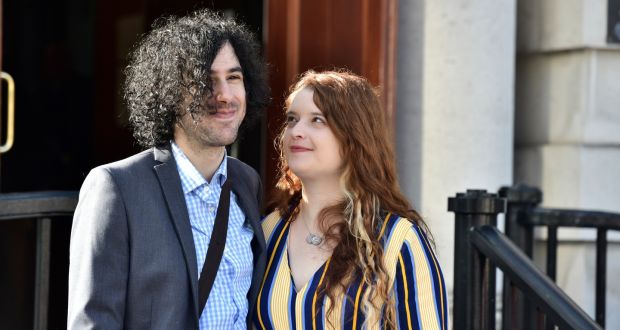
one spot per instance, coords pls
(132, 255)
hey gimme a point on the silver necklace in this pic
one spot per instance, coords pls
(312, 239)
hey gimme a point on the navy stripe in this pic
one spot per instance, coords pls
(438, 284)
(391, 223)
(400, 298)
(255, 321)
(442, 290)
(291, 308)
(275, 233)
(271, 272)
(350, 301)
(307, 304)
(411, 285)
(360, 313)
(444, 306)
(320, 304)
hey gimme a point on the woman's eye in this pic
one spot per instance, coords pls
(320, 120)
(290, 119)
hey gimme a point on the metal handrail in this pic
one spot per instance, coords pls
(524, 214)
(479, 249)
(537, 286)
(40, 206)
(37, 204)
(571, 218)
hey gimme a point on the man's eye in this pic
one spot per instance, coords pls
(235, 77)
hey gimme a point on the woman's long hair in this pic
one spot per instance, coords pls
(353, 112)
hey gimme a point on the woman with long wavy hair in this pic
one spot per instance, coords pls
(345, 248)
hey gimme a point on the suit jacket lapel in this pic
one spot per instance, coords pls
(247, 201)
(170, 182)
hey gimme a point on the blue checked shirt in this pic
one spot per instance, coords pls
(227, 306)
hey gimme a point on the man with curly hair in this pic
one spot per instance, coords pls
(143, 225)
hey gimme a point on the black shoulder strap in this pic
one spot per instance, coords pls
(216, 248)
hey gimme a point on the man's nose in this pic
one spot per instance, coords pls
(223, 92)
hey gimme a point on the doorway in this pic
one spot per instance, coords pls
(67, 58)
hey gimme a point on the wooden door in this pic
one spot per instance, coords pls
(359, 35)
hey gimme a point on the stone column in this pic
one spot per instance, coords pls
(568, 130)
(456, 62)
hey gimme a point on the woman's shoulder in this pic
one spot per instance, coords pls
(270, 223)
(392, 223)
(396, 230)
(406, 242)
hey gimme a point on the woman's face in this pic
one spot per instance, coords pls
(310, 147)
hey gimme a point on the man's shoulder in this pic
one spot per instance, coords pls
(244, 177)
(127, 175)
(130, 166)
(242, 172)
(240, 166)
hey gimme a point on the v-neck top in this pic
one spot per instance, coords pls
(286, 264)
(416, 281)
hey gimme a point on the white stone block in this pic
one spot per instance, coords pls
(568, 98)
(551, 25)
(603, 124)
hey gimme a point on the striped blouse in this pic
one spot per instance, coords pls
(417, 284)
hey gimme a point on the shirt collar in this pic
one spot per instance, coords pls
(191, 178)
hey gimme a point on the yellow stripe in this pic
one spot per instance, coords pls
(355, 306)
(405, 285)
(280, 294)
(299, 307)
(260, 293)
(385, 221)
(437, 271)
(269, 224)
(315, 292)
(392, 249)
(424, 284)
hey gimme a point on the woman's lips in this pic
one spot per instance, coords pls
(299, 149)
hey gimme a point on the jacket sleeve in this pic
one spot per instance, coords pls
(259, 192)
(98, 255)
(421, 300)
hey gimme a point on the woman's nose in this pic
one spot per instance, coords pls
(297, 130)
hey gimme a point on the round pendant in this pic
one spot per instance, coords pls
(314, 239)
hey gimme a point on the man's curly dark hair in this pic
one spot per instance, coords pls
(172, 62)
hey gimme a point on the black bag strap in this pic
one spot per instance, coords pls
(216, 248)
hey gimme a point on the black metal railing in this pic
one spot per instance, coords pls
(479, 249)
(524, 215)
(42, 207)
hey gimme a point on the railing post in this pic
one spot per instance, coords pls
(42, 276)
(516, 314)
(473, 274)
(601, 275)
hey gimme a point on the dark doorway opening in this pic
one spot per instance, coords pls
(67, 58)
